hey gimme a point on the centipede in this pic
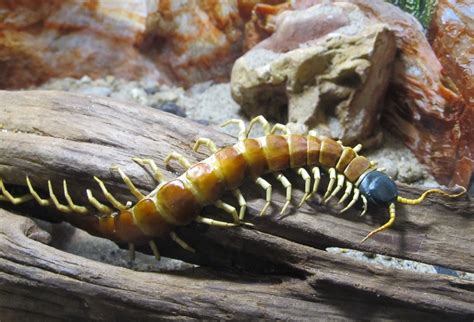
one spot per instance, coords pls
(180, 201)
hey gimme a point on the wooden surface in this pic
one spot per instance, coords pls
(278, 269)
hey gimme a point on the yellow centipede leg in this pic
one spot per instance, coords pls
(41, 201)
(385, 226)
(207, 143)
(317, 178)
(131, 251)
(229, 209)
(129, 183)
(364, 202)
(181, 242)
(287, 185)
(14, 200)
(307, 184)
(280, 127)
(240, 124)
(347, 192)
(332, 181)
(268, 193)
(154, 249)
(110, 198)
(259, 119)
(353, 201)
(72, 205)
(154, 168)
(179, 158)
(99, 206)
(213, 222)
(242, 203)
(339, 185)
(57, 204)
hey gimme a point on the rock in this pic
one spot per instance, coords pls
(325, 68)
(172, 108)
(452, 40)
(164, 41)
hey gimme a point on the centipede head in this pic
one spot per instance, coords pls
(379, 188)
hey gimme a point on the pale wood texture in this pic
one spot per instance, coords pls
(54, 135)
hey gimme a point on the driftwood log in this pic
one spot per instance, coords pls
(277, 269)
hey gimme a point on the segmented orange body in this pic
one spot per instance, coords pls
(180, 201)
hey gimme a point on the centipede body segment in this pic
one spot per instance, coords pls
(180, 201)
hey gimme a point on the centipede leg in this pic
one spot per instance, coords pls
(242, 203)
(240, 124)
(287, 185)
(207, 143)
(131, 251)
(154, 249)
(41, 201)
(332, 181)
(259, 119)
(157, 175)
(364, 202)
(229, 209)
(353, 201)
(268, 193)
(213, 222)
(129, 183)
(75, 208)
(110, 198)
(347, 192)
(96, 203)
(14, 200)
(181, 242)
(339, 185)
(54, 199)
(179, 158)
(357, 148)
(317, 178)
(307, 184)
(280, 127)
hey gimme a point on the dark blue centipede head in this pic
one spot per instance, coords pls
(378, 188)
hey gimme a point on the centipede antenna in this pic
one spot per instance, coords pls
(385, 226)
(72, 205)
(240, 124)
(131, 251)
(332, 181)
(41, 201)
(268, 193)
(426, 193)
(57, 204)
(181, 242)
(154, 249)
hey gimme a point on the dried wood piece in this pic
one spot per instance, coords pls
(75, 137)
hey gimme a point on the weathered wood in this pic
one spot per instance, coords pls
(76, 137)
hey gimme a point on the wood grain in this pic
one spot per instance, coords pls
(55, 135)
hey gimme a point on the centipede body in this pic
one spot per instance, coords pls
(179, 201)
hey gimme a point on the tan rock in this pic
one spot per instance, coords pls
(324, 68)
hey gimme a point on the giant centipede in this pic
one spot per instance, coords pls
(179, 201)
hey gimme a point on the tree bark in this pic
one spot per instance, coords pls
(54, 135)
